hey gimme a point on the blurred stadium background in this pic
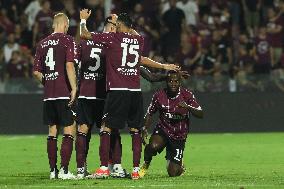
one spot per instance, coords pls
(233, 51)
(231, 48)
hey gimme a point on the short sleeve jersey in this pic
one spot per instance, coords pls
(92, 72)
(51, 56)
(123, 53)
(173, 120)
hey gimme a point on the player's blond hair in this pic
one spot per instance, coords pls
(59, 18)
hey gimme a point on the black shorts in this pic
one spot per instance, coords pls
(57, 112)
(90, 111)
(174, 148)
(123, 107)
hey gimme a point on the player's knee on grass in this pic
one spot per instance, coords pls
(174, 170)
(52, 131)
(83, 128)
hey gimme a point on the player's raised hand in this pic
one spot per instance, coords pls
(114, 17)
(72, 97)
(171, 67)
(85, 14)
(144, 136)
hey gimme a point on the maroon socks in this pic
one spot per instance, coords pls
(136, 147)
(66, 151)
(81, 149)
(52, 152)
(104, 147)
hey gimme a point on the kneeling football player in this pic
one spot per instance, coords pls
(175, 104)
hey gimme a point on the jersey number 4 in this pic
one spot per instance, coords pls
(49, 60)
(131, 49)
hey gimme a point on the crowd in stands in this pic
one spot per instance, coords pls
(226, 45)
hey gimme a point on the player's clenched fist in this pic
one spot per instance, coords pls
(85, 14)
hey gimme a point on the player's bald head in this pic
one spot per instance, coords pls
(60, 20)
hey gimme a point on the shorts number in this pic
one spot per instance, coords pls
(95, 53)
(131, 49)
(178, 156)
(49, 60)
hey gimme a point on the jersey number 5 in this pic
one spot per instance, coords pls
(95, 53)
(49, 60)
(131, 49)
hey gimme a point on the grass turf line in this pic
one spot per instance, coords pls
(252, 160)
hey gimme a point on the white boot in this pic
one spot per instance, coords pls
(65, 176)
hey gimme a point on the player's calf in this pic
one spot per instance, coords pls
(52, 151)
(156, 145)
(103, 171)
(136, 149)
(152, 149)
(81, 154)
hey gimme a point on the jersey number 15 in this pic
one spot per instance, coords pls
(131, 49)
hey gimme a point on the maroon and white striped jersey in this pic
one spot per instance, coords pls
(173, 119)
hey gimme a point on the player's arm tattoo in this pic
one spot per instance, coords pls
(84, 33)
(151, 77)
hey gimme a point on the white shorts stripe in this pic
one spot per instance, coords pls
(91, 98)
(123, 89)
(57, 98)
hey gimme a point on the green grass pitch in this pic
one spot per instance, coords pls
(212, 161)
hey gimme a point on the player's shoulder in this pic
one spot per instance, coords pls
(60, 36)
(128, 35)
(186, 91)
(68, 37)
(44, 41)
